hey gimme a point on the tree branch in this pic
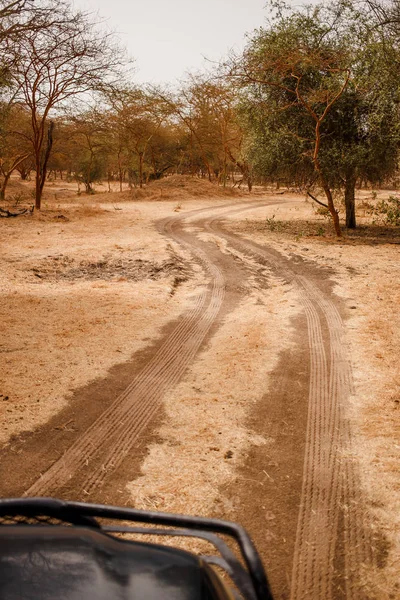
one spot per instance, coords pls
(316, 200)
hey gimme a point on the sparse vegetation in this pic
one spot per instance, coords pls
(309, 109)
(390, 208)
(312, 103)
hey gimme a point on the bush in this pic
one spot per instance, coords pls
(272, 224)
(323, 212)
(391, 209)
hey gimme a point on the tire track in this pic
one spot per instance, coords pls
(330, 482)
(357, 526)
(176, 368)
(126, 436)
(121, 424)
(330, 497)
(314, 553)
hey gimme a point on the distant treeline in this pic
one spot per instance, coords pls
(311, 102)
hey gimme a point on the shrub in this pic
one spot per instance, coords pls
(390, 208)
(323, 212)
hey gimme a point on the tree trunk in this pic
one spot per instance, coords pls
(4, 186)
(244, 168)
(41, 167)
(207, 165)
(247, 174)
(332, 209)
(140, 169)
(249, 182)
(329, 197)
(326, 188)
(38, 191)
(349, 199)
(24, 173)
(120, 173)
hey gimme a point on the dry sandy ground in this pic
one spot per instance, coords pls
(61, 332)
(89, 282)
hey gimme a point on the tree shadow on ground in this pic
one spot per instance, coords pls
(364, 234)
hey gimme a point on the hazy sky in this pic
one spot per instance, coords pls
(169, 37)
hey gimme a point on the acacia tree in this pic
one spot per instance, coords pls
(18, 16)
(223, 105)
(138, 114)
(205, 107)
(212, 107)
(165, 150)
(142, 148)
(362, 131)
(321, 106)
(87, 146)
(297, 66)
(25, 168)
(69, 57)
(190, 108)
(15, 146)
(118, 155)
(383, 14)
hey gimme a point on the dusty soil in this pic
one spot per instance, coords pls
(244, 303)
(365, 274)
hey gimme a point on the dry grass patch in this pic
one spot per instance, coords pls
(178, 187)
(79, 295)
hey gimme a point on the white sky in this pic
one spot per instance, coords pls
(167, 38)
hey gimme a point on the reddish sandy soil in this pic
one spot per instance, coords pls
(193, 351)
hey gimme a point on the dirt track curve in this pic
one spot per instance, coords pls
(332, 519)
(331, 542)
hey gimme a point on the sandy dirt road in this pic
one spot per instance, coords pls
(315, 501)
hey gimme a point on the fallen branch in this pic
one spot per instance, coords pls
(7, 213)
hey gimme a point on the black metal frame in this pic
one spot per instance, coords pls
(252, 581)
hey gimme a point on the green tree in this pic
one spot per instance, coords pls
(320, 109)
(296, 67)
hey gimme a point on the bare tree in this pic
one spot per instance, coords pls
(18, 16)
(15, 147)
(138, 115)
(383, 14)
(69, 57)
(88, 146)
